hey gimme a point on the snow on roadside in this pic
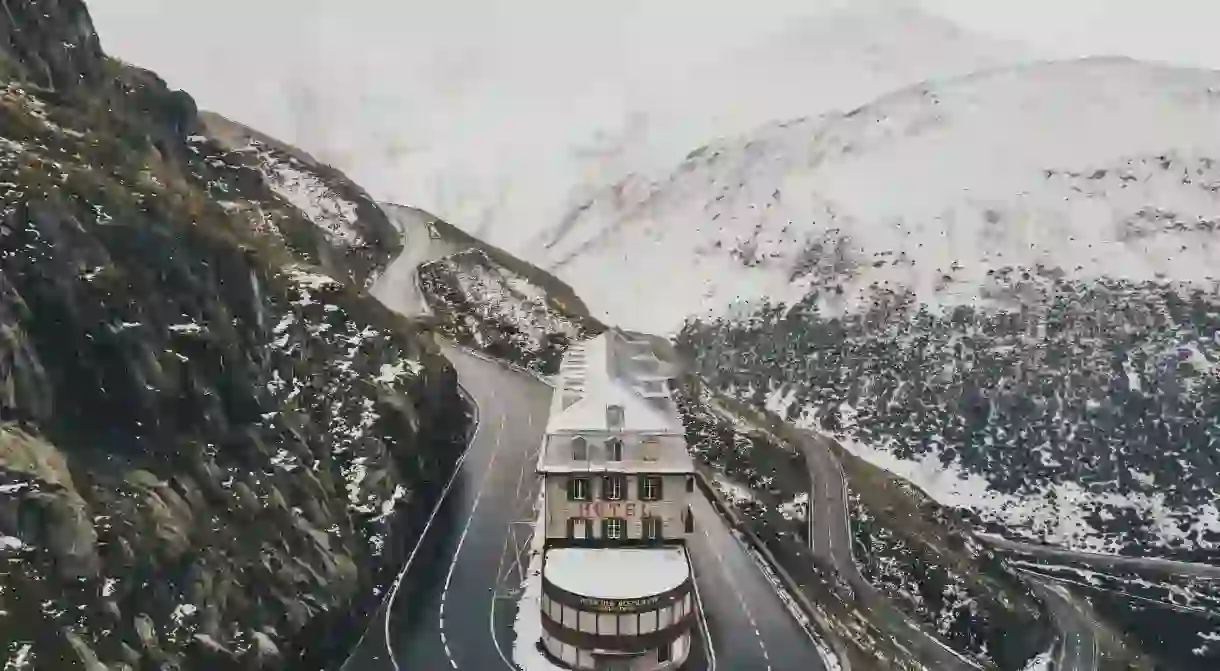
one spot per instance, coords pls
(829, 660)
(528, 624)
(735, 492)
(1208, 638)
(1040, 663)
(796, 508)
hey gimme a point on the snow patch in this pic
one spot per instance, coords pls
(614, 573)
(310, 280)
(293, 181)
(1112, 172)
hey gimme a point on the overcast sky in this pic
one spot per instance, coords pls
(441, 103)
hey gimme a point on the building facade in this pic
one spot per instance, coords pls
(617, 585)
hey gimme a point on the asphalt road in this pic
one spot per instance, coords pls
(1077, 634)
(457, 603)
(1166, 566)
(396, 288)
(830, 538)
(749, 625)
(457, 599)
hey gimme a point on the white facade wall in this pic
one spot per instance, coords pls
(670, 508)
(584, 659)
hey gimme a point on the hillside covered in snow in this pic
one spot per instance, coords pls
(1097, 168)
(356, 231)
(487, 300)
(1001, 287)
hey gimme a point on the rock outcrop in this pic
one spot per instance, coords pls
(213, 443)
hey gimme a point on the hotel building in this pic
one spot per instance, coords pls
(617, 588)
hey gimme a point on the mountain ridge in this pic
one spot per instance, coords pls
(828, 168)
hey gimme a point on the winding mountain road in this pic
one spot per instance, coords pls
(750, 626)
(830, 537)
(1077, 634)
(457, 601)
(1165, 566)
(454, 603)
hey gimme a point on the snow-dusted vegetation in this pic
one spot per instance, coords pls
(1176, 618)
(949, 598)
(488, 306)
(1086, 416)
(356, 232)
(970, 598)
(759, 476)
(212, 441)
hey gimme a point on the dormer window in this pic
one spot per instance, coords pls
(614, 450)
(649, 449)
(580, 449)
(614, 417)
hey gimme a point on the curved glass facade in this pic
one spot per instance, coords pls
(646, 633)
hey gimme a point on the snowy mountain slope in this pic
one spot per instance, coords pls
(350, 221)
(1100, 167)
(836, 58)
(483, 303)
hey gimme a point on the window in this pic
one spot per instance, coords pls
(650, 488)
(614, 528)
(663, 653)
(580, 449)
(578, 528)
(612, 487)
(652, 528)
(690, 484)
(614, 449)
(578, 489)
(649, 447)
(614, 417)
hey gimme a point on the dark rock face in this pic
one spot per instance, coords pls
(49, 43)
(211, 448)
(482, 303)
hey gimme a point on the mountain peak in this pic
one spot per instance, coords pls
(1099, 167)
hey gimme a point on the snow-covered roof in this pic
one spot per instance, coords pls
(612, 370)
(670, 459)
(616, 573)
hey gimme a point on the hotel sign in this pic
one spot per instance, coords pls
(620, 605)
(602, 509)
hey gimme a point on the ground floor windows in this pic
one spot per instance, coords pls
(651, 528)
(614, 528)
(580, 528)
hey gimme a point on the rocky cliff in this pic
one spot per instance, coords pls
(486, 299)
(212, 442)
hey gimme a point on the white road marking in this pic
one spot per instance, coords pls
(728, 577)
(462, 539)
(510, 540)
(457, 468)
(707, 634)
